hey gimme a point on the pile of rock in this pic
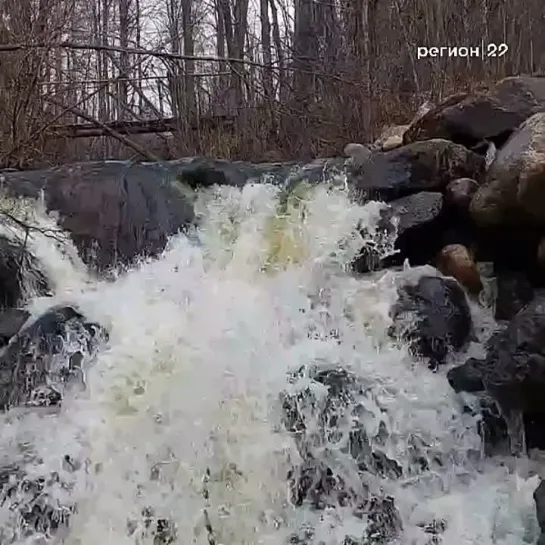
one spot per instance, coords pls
(467, 182)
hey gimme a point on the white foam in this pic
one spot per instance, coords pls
(201, 342)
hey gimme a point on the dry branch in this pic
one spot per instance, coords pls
(5, 48)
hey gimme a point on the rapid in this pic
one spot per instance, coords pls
(175, 434)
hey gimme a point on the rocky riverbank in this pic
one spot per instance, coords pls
(464, 184)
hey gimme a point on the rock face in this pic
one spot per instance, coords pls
(433, 316)
(39, 361)
(515, 186)
(471, 119)
(19, 274)
(456, 261)
(422, 166)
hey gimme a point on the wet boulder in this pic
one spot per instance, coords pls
(539, 499)
(513, 370)
(32, 500)
(491, 426)
(45, 356)
(433, 317)
(513, 292)
(471, 119)
(417, 224)
(20, 273)
(514, 191)
(11, 321)
(455, 260)
(114, 211)
(421, 166)
(458, 193)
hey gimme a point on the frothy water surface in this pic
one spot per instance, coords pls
(180, 420)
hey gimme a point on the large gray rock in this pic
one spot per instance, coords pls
(422, 166)
(433, 316)
(515, 184)
(114, 211)
(470, 119)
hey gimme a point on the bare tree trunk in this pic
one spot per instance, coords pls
(282, 76)
(267, 51)
(189, 49)
(123, 87)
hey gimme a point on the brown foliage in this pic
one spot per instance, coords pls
(290, 87)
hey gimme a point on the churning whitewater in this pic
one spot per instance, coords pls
(175, 433)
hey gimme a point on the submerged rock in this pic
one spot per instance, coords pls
(433, 316)
(45, 355)
(422, 166)
(326, 420)
(470, 119)
(39, 511)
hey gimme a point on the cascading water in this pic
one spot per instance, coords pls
(179, 435)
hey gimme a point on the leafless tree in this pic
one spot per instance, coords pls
(238, 78)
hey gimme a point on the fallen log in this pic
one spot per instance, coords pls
(87, 130)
